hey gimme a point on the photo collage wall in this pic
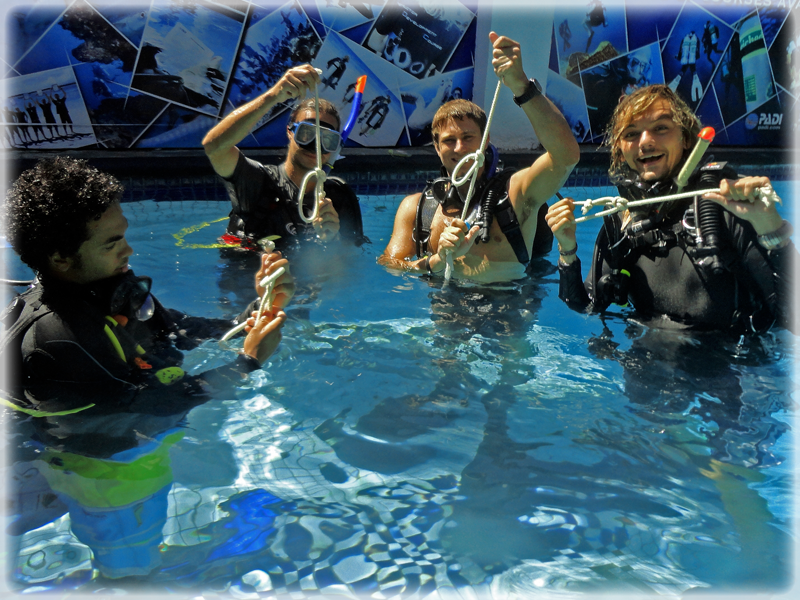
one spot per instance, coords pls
(106, 75)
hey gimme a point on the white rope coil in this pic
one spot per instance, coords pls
(766, 195)
(478, 158)
(319, 172)
(266, 303)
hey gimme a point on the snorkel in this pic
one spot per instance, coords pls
(320, 173)
(361, 83)
(704, 138)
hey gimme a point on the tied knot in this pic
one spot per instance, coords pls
(768, 196)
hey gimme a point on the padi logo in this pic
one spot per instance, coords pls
(764, 121)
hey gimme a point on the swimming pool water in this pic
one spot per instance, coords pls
(414, 439)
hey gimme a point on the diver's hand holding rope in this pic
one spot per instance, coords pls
(274, 285)
(263, 334)
(763, 194)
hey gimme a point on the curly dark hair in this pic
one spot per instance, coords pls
(48, 208)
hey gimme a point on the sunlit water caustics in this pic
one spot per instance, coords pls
(417, 439)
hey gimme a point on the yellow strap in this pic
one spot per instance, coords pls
(115, 341)
(187, 230)
(40, 413)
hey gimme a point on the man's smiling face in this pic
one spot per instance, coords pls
(653, 144)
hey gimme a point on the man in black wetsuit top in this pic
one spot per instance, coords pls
(425, 232)
(264, 197)
(88, 336)
(718, 261)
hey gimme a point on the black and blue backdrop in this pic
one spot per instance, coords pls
(111, 75)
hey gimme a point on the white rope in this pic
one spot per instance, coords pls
(319, 173)
(266, 303)
(616, 203)
(478, 157)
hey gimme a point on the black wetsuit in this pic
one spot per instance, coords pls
(264, 203)
(659, 271)
(65, 352)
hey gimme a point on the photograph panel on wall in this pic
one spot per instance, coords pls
(589, 35)
(422, 99)
(118, 114)
(569, 99)
(188, 50)
(46, 111)
(340, 15)
(81, 35)
(129, 18)
(759, 85)
(693, 52)
(772, 19)
(176, 127)
(418, 36)
(606, 83)
(276, 40)
(784, 55)
(770, 123)
(380, 121)
(710, 115)
(650, 22)
(24, 26)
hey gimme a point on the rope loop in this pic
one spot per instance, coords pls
(319, 193)
(319, 172)
(478, 157)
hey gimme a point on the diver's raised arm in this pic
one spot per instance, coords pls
(544, 177)
(220, 142)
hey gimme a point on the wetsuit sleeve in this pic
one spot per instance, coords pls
(570, 286)
(769, 274)
(582, 295)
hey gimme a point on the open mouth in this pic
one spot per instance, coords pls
(648, 160)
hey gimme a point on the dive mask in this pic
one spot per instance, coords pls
(132, 298)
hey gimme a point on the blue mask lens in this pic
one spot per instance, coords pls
(305, 135)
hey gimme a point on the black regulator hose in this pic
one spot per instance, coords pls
(488, 204)
(710, 221)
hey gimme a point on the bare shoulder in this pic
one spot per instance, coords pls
(408, 207)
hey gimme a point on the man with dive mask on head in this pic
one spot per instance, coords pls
(264, 198)
(721, 261)
(89, 335)
(505, 208)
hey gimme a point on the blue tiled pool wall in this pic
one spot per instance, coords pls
(209, 186)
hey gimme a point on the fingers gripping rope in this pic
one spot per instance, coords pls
(768, 196)
(266, 303)
(616, 204)
(478, 157)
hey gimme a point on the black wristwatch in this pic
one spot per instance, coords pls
(534, 89)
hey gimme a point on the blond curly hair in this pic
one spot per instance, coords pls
(636, 104)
